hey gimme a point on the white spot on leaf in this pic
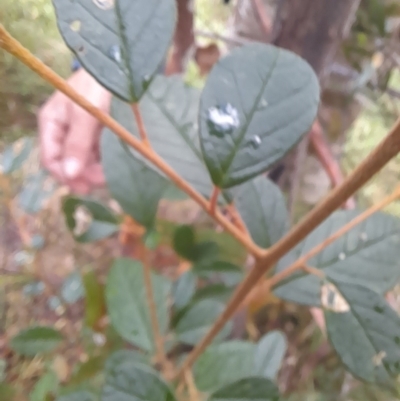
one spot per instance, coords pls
(378, 358)
(333, 300)
(83, 219)
(364, 236)
(75, 25)
(342, 256)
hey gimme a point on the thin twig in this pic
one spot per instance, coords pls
(12, 46)
(214, 200)
(236, 218)
(140, 123)
(158, 340)
(278, 250)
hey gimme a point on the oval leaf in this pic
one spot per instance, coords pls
(121, 43)
(353, 258)
(364, 331)
(100, 222)
(262, 208)
(135, 382)
(197, 321)
(223, 363)
(136, 187)
(184, 289)
(247, 389)
(36, 340)
(127, 303)
(256, 105)
(269, 354)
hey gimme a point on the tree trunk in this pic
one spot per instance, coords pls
(314, 29)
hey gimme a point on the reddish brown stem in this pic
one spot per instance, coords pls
(140, 124)
(214, 201)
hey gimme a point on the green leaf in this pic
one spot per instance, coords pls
(47, 385)
(269, 354)
(219, 292)
(98, 220)
(35, 191)
(214, 368)
(82, 395)
(229, 273)
(247, 389)
(169, 110)
(223, 363)
(136, 187)
(185, 245)
(364, 331)
(262, 208)
(257, 104)
(16, 154)
(125, 356)
(127, 303)
(94, 299)
(184, 242)
(36, 340)
(135, 382)
(184, 289)
(353, 258)
(197, 321)
(121, 43)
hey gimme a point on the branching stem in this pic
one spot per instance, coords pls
(214, 201)
(265, 259)
(140, 124)
(11, 45)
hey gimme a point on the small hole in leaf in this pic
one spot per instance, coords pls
(332, 299)
(75, 25)
(378, 358)
(81, 49)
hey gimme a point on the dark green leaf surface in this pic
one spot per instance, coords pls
(127, 303)
(36, 340)
(256, 105)
(121, 43)
(247, 389)
(184, 289)
(125, 356)
(103, 222)
(262, 207)
(137, 188)
(135, 382)
(169, 110)
(223, 363)
(198, 319)
(367, 255)
(184, 242)
(269, 353)
(364, 331)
